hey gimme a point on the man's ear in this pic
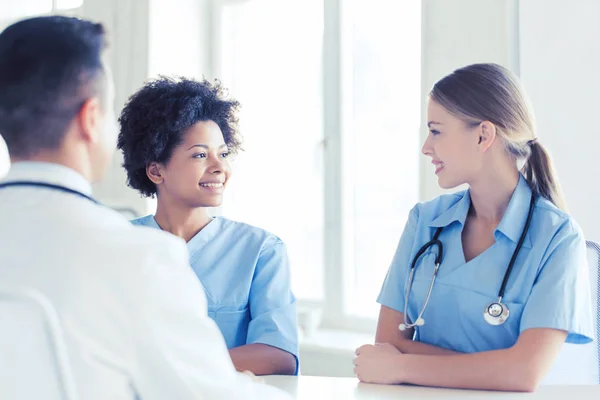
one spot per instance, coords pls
(90, 120)
(487, 135)
(153, 172)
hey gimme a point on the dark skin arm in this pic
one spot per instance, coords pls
(262, 359)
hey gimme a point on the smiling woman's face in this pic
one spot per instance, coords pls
(198, 171)
(452, 146)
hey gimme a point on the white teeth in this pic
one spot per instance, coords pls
(438, 166)
(212, 185)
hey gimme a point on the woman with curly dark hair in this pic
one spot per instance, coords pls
(177, 136)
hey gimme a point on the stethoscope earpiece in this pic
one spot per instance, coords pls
(419, 322)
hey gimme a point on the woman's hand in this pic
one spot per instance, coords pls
(379, 363)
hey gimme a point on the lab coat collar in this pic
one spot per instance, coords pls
(45, 172)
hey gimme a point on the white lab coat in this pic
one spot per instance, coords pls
(133, 312)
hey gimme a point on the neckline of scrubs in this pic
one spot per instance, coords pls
(202, 237)
(511, 225)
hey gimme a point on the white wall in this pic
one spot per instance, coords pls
(11, 11)
(179, 32)
(560, 66)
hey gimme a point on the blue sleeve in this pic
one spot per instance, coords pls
(392, 291)
(560, 297)
(272, 303)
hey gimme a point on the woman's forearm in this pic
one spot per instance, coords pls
(414, 347)
(492, 370)
(263, 359)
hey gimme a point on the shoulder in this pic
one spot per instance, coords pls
(257, 235)
(427, 211)
(551, 215)
(554, 226)
(147, 262)
(150, 245)
(135, 246)
(147, 230)
(150, 264)
(157, 242)
(122, 256)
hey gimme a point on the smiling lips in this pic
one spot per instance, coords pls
(438, 166)
(212, 184)
(215, 187)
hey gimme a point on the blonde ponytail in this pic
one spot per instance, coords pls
(539, 172)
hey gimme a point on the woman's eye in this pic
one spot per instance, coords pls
(434, 132)
(200, 155)
(225, 155)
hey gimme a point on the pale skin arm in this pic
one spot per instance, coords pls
(518, 368)
(262, 359)
(388, 332)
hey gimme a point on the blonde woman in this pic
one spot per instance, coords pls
(486, 284)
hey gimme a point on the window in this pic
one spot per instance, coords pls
(330, 93)
(271, 62)
(383, 159)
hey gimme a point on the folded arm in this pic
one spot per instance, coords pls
(388, 332)
(518, 368)
(263, 359)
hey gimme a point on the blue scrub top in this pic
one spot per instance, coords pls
(246, 276)
(548, 286)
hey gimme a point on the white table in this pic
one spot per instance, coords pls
(316, 388)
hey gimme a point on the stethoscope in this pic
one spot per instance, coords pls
(47, 186)
(495, 313)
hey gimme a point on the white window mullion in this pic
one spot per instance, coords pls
(336, 98)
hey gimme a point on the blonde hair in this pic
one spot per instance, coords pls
(490, 92)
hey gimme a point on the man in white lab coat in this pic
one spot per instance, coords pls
(133, 313)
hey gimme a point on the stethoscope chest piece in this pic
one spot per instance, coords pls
(496, 313)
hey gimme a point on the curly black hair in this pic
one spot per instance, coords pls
(157, 116)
